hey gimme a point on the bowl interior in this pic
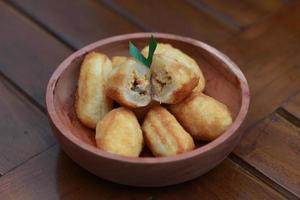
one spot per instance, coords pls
(221, 82)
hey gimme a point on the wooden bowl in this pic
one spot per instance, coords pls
(224, 81)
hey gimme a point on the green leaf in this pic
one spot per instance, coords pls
(152, 47)
(134, 52)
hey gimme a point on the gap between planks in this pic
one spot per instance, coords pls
(249, 169)
(123, 13)
(288, 116)
(118, 10)
(16, 87)
(226, 20)
(252, 170)
(27, 160)
(44, 27)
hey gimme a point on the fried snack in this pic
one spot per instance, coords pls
(171, 80)
(129, 84)
(167, 49)
(118, 60)
(202, 116)
(164, 135)
(91, 103)
(120, 133)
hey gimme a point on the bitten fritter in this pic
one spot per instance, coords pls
(129, 84)
(202, 116)
(120, 133)
(163, 134)
(168, 50)
(171, 81)
(91, 102)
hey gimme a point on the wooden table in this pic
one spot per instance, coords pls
(262, 37)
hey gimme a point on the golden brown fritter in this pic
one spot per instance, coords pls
(120, 133)
(164, 135)
(91, 102)
(168, 50)
(202, 116)
(171, 80)
(129, 84)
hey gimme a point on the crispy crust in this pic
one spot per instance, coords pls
(182, 78)
(91, 103)
(163, 134)
(202, 116)
(177, 54)
(201, 83)
(114, 88)
(120, 133)
(116, 85)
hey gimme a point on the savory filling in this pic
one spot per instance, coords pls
(159, 81)
(138, 84)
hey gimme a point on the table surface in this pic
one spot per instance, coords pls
(262, 37)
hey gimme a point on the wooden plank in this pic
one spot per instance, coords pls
(77, 22)
(293, 105)
(28, 54)
(272, 147)
(175, 16)
(23, 59)
(52, 175)
(280, 86)
(267, 39)
(268, 53)
(24, 129)
(240, 12)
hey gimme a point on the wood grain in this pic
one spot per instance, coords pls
(293, 105)
(176, 17)
(52, 175)
(76, 22)
(241, 13)
(269, 56)
(272, 147)
(24, 129)
(28, 54)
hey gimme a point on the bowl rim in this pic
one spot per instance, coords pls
(230, 65)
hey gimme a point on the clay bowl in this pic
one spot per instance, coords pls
(224, 81)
